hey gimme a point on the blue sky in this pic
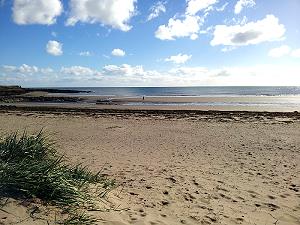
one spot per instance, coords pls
(149, 43)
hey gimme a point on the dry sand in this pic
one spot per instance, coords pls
(181, 169)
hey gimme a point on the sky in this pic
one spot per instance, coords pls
(81, 43)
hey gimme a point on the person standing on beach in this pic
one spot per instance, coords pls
(143, 98)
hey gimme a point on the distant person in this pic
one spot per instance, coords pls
(143, 98)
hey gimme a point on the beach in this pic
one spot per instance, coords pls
(179, 168)
(131, 112)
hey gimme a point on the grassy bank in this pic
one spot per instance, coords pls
(31, 167)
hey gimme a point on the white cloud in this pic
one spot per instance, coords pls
(194, 37)
(284, 50)
(129, 75)
(54, 48)
(280, 51)
(86, 53)
(118, 52)
(191, 76)
(194, 6)
(26, 69)
(36, 11)
(267, 29)
(176, 28)
(114, 13)
(179, 59)
(228, 48)
(296, 53)
(80, 71)
(46, 70)
(242, 4)
(9, 68)
(189, 71)
(123, 69)
(156, 10)
(188, 25)
(255, 75)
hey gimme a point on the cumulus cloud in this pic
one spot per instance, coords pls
(86, 53)
(118, 52)
(284, 50)
(188, 25)
(35, 76)
(79, 71)
(267, 29)
(114, 13)
(178, 59)
(190, 76)
(186, 71)
(25, 75)
(46, 70)
(54, 48)
(194, 6)
(36, 11)
(241, 4)
(280, 51)
(156, 10)
(176, 28)
(136, 75)
(124, 69)
(8, 68)
(26, 69)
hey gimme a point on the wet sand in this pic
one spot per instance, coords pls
(180, 167)
(228, 103)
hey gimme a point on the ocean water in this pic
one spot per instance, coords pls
(190, 91)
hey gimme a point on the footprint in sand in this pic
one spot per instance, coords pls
(272, 206)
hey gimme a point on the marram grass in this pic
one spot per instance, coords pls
(30, 167)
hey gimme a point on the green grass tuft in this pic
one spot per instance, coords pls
(30, 167)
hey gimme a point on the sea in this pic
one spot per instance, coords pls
(190, 91)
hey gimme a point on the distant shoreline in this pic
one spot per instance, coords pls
(18, 90)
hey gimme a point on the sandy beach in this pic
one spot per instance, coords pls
(179, 168)
(131, 112)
